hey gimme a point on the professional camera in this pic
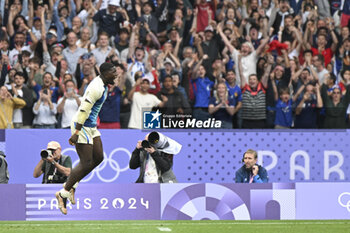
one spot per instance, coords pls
(54, 179)
(45, 153)
(145, 144)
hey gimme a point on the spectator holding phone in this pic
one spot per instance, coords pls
(68, 105)
(45, 111)
(251, 172)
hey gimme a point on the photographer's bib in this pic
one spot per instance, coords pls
(151, 175)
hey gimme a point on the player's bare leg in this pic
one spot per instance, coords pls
(90, 157)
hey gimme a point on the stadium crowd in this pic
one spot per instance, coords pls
(249, 63)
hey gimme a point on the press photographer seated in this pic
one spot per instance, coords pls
(251, 172)
(55, 166)
(154, 157)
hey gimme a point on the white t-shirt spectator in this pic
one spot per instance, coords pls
(248, 64)
(141, 103)
(69, 110)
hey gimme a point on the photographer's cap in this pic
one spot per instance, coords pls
(53, 145)
(2, 153)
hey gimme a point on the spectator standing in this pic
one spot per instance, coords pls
(142, 101)
(68, 105)
(7, 106)
(72, 53)
(23, 118)
(221, 107)
(45, 111)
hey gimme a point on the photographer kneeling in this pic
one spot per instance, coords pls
(154, 157)
(55, 166)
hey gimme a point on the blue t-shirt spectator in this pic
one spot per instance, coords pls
(222, 114)
(284, 114)
(110, 111)
(202, 88)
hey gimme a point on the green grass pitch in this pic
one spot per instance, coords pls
(291, 226)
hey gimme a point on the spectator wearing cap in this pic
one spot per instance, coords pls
(4, 172)
(51, 38)
(72, 53)
(103, 49)
(63, 16)
(174, 38)
(142, 101)
(109, 19)
(50, 60)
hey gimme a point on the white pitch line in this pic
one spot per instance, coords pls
(179, 223)
(164, 229)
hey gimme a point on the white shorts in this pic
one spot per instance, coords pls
(86, 134)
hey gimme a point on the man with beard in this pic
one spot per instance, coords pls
(251, 172)
(85, 136)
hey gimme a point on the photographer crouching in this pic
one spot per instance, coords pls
(154, 157)
(55, 166)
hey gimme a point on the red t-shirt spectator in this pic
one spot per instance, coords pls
(202, 17)
(327, 54)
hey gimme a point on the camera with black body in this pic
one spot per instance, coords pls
(145, 144)
(153, 138)
(51, 179)
(45, 154)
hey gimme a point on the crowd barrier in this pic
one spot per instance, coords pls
(206, 156)
(191, 201)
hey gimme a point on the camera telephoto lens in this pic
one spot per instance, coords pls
(45, 153)
(145, 144)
